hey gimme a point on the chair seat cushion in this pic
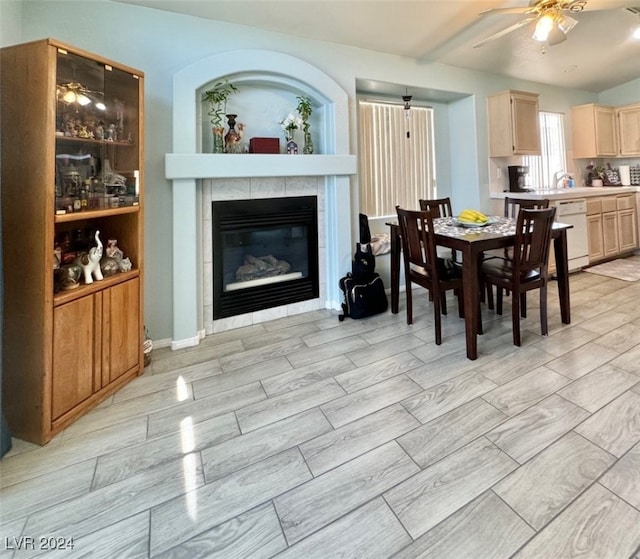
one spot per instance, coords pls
(503, 267)
(448, 269)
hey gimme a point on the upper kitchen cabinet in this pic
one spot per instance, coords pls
(629, 130)
(594, 131)
(514, 128)
(72, 199)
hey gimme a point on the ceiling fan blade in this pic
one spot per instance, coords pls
(505, 31)
(522, 10)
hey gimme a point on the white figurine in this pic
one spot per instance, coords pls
(90, 262)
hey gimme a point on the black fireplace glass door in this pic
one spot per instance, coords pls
(261, 256)
(265, 253)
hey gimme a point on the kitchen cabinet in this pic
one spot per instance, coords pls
(629, 130)
(594, 131)
(594, 229)
(514, 128)
(611, 225)
(627, 222)
(71, 163)
(610, 230)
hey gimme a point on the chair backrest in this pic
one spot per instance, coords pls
(440, 207)
(533, 237)
(418, 243)
(513, 205)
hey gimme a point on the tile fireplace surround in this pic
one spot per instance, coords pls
(198, 178)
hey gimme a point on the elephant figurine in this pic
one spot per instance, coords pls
(90, 262)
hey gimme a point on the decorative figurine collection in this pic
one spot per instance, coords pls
(74, 260)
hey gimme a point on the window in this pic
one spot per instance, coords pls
(543, 168)
(394, 169)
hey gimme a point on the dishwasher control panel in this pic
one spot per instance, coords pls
(571, 207)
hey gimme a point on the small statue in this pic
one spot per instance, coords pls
(125, 265)
(90, 262)
(113, 251)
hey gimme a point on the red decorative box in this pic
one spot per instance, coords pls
(264, 145)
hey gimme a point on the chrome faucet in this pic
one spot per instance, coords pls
(562, 178)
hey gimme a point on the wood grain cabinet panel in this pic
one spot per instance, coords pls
(514, 128)
(610, 234)
(596, 241)
(73, 355)
(629, 130)
(594, 131)
(122, 328)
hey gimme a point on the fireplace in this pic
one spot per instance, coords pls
(199, 177)
(265, 253)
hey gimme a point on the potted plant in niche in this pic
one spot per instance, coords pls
(304, 110)
(217, 98)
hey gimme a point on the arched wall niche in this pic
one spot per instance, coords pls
(189, 167)
(262, 102)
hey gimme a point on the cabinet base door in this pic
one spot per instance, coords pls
(122, 328)
(73, 355)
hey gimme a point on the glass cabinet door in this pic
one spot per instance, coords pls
(97, 134)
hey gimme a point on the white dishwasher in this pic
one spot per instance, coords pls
(574, 212)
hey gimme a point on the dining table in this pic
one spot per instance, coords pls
(471, 243)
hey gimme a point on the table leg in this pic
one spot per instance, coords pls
(470, 290)
(562, 273)
(395, 267)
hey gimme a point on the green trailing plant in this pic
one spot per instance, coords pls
(304, 110)
(217, 98)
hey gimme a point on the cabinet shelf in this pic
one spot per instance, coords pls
(87, 289)
(92, 141)
(94, 214)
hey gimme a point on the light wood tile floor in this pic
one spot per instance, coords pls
(307, 437)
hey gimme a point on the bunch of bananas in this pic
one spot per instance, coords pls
(472, 216)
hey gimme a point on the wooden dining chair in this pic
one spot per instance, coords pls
(423, 267)
(511, 208)
(440, 207)
(527, 268)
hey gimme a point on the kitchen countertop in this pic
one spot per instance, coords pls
(560, 193)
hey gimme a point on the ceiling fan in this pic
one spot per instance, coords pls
(551, 17)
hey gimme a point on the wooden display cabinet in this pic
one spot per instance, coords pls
(514, 127)
(72, 164)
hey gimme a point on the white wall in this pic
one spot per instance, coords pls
(161, 43)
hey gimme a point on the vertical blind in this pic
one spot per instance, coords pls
(394, 169)
(542, 168)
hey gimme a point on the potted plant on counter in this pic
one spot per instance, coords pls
(595, 175)
(217, 98)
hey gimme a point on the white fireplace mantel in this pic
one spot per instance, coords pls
(188, 167)
(209, 165)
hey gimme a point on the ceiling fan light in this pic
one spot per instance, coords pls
(69, 96)
(543, 27)
(556, 36)
(566, 23)
(82, 99)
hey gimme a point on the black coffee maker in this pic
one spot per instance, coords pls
(518, 178)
